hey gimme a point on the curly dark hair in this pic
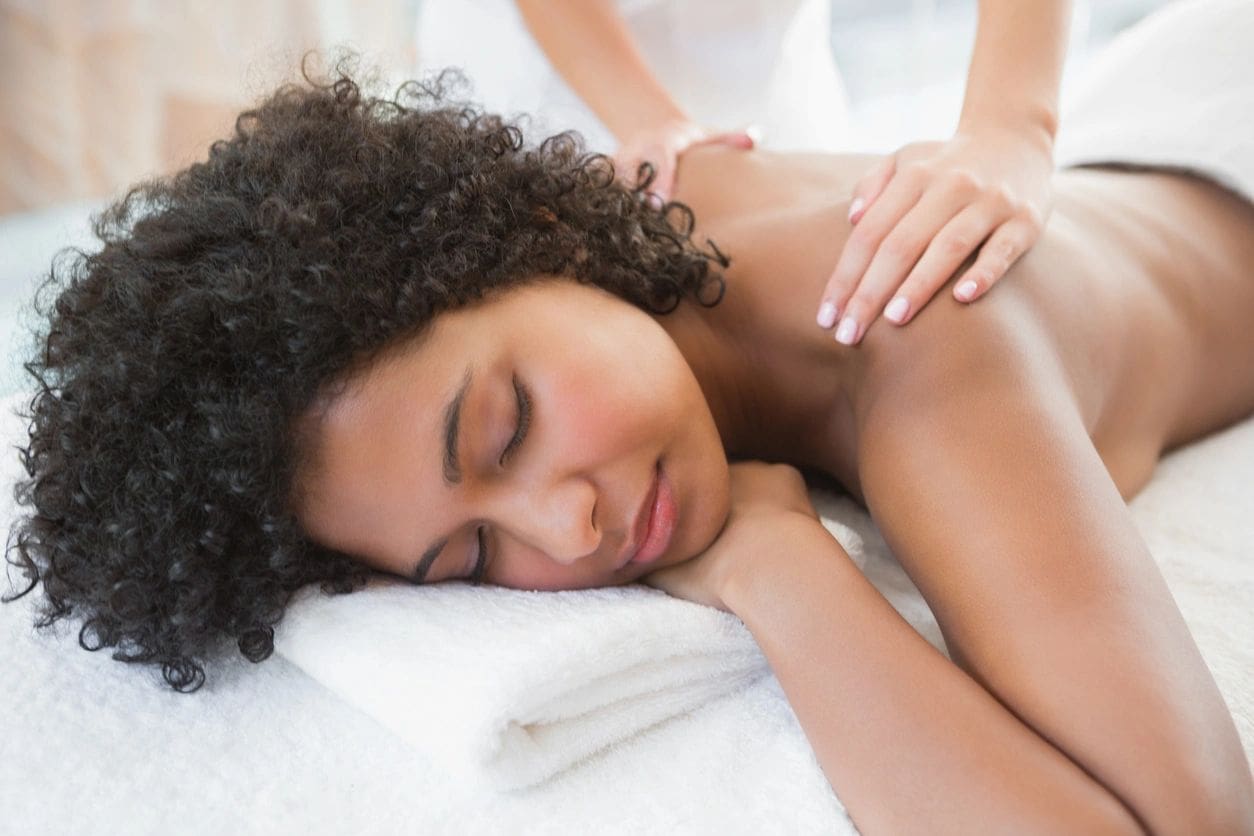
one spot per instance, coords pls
(174, 362)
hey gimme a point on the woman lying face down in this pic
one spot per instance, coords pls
(181, 364)
(370, 335)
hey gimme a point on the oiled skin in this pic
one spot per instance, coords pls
(995, 445)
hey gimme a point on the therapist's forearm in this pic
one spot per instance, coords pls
(908, 740)
(1016, 66)
(590, 46)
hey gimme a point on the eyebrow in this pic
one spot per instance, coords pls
(452, 467)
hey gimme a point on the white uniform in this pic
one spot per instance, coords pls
(729, 64)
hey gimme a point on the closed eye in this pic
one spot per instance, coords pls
(520, 433)
(524, 421)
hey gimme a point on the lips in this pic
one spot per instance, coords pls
(640, 521)
(654, 523)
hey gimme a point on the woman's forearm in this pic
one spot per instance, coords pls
(908, 740)
(1016, 65)
(588, 43)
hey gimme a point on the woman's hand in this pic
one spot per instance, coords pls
(924, 211)
(769, 506)
(662, 145)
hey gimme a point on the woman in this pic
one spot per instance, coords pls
(376, 335)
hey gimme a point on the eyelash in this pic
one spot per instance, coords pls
(524, 422)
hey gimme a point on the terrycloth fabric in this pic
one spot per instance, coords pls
(1175, 91)
(88, 745)
(507, 687)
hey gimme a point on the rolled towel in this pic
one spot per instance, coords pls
(508, 687)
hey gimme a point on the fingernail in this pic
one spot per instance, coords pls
(897, 309)
(755, 133)
(847, 331)
(855, 209)
(827, 315)
(966, 290)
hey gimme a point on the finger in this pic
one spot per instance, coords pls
(871, 186)
(736, 139)
(1002, 249)
(641, 170)
(865, 239)
(627, 168)
(953, 245)
(664, 183)
(900, 252)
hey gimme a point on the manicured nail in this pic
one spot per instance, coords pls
(897, 309)
(855, 209)
(755, 133)
(966, 290)
(827, 315)
(848, 331)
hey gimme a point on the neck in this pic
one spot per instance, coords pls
(773, 397)
(780, 388)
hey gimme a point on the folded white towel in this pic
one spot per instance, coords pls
(508, 687)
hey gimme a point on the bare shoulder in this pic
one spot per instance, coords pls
(1132, 312)
(721, 183)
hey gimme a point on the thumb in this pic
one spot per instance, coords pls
(627, 168)
(736, 139)
(870, 186)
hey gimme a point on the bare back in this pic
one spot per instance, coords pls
(1141, 287)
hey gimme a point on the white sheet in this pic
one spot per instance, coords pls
(88, 745)
(1175, 91)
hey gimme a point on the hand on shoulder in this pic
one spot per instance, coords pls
(923, 213)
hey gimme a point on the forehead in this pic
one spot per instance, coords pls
(374, 440)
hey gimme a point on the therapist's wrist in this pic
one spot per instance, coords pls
(1036, 125)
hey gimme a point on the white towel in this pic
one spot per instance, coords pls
(508, 687)
(1175, 91)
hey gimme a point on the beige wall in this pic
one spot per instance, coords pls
(99, 93)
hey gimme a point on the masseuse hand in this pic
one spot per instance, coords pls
(922, 212)
(769, 506)
(662, 145)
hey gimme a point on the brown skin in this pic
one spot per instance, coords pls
(994, 445)
(993, 448)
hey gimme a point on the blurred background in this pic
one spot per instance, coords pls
(101, 93)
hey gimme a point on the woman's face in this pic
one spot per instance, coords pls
(543, 426)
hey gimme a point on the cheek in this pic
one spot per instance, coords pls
(528, 569)
(609, 414)
(704, 485)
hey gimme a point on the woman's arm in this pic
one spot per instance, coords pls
(588, 43)
(910, 743)
(1016, 67)
(980, 473)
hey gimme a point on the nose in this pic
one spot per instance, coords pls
(558, 518)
